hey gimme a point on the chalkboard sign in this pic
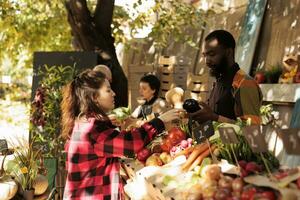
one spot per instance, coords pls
(255, 138)
(291, 140)
(79, 59)
(203, 131)
(228, 135)
(3, 145)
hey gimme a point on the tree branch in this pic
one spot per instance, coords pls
(103, 16)
(80, 20)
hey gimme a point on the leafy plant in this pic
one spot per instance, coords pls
(25, 165)
(242, 149)
(273, 74)
(46, 114)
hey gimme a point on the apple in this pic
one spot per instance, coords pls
(154, 160)
(259, 77)
(165, 157)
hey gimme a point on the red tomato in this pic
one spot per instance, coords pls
(143, 154)
(166, 145)
(175, 135)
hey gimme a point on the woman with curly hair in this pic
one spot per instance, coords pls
(94, 145)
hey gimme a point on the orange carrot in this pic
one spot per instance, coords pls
(201, 157)
(198, 149)
(185, 152)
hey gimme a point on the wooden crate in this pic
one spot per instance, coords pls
(167, 77)
(135, 78)
(183, 61)
(140, 68)
(204, 78)
(198, 87)
(167, 85)
(180, 78)
(167, 60)
(173, 77)
(167, 68)
(181, 69)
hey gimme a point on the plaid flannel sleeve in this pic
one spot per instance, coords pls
(110, 142)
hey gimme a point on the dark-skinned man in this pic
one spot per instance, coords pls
(234, 94)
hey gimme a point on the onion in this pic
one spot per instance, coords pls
(212, 172)
(237, 184)
(222, 194)
(226, 182)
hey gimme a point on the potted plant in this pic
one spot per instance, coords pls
(24, 167)
(273, 74)
(8, 186)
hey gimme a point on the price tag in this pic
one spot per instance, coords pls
(228, 135)
(3, 145)
(291, 140)
(203, 131)
(255, 138)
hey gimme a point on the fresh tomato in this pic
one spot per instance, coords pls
(175, 135)
(143, 154)
(166, 145)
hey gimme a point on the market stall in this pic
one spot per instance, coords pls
(212, 161)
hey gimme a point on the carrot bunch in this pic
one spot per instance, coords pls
(195, 155)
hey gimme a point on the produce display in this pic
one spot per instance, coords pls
(174, 166)
(121, 113)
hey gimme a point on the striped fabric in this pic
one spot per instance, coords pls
(93, 154)
(248, 97)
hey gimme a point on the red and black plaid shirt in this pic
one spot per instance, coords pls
(93, 153)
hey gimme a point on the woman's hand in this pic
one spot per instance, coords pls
(171, 115)
(114, 120)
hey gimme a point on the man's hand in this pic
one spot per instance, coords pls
(204, 114)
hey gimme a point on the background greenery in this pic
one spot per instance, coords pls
(41, 25)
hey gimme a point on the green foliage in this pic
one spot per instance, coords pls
(46, 113)
(25, 164)
(174, 20)
(273, 74)
(242, 150)
(27, 26)
(170, 20)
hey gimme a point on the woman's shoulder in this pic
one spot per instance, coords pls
(102, 125)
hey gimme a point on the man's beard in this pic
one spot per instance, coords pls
(219, 69)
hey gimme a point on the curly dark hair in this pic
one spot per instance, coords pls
(79, 99)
